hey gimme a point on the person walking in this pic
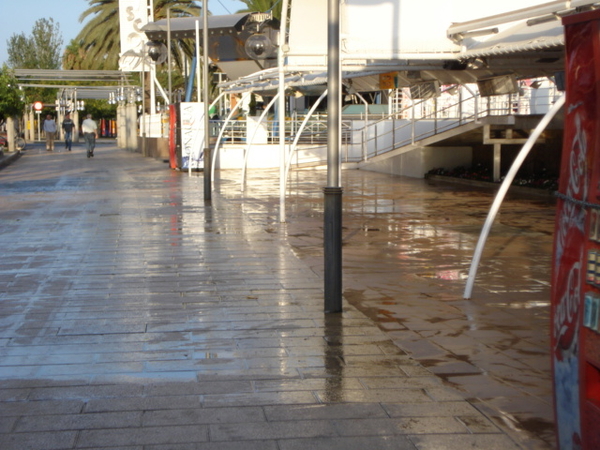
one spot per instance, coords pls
(68, 127)
(50, 130)
(90, 133)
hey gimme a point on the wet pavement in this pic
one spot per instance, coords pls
(135, 316)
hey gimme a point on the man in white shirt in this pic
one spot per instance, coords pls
(90, 133)
(50, 130)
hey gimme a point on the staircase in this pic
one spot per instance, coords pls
(476, 120)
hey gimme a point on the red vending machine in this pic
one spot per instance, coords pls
(576, 265)
(173, 119)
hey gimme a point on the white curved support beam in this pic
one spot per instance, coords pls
(218, 143)
(251, 141)
(216, 100)
(300, 130)
(510, 176)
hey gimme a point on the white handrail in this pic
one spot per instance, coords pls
(454, 115)
(413, 121)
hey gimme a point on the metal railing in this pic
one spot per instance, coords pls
(315, 131)
(418, 120)
(426, 118)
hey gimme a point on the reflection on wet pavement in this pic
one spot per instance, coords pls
(407, 247)
(133, 314)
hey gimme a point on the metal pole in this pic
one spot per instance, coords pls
(333, 192)
(152, 78)
(169, 52)
(412, 121)
(281, 108)
(144, 115)
(207, 153)
(460, 116)
(152, 89)
(198, 97)
(365, 127)
(189, 87)
(38, 125)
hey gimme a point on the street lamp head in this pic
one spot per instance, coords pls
(153, 50)
(259, 46)
(157, 51)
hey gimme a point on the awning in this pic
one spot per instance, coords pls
(302, 80)
(519, 38)
(185, 27)
(228, 35)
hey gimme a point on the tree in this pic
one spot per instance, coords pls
(100, 109)
(73, 55)
(262, 6)
(11, 102)
(41, 50)
(100, 40)
(11, 98)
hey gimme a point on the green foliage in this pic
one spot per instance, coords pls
(11, 101)
(73, 55)
(40, 50)
(44, 95)
(98, 44)
(20, 52)
(262, 6)
(99, 109)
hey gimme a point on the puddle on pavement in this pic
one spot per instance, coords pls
(407, 248)
(522, 305)
(446, 275)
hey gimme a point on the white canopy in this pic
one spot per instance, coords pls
(383, 36)
(519, 38)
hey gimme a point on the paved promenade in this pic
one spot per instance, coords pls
(135, 316)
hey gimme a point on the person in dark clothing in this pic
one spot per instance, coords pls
(69, 127)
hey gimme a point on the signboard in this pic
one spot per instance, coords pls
(192, 135)
(133, 15)
(388, 80)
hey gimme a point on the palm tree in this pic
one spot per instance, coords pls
(100, 40)
(73, 55)
(262, 6)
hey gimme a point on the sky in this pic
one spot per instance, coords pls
(20, 17)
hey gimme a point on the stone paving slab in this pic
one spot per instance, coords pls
(135, 316)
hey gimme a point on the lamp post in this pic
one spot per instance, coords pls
(75, 116)
(332, 238)
(169, 53)
(207, 151)
(143, 99)
(281, 108)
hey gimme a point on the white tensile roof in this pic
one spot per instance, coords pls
(519, 38)
(452, 41)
